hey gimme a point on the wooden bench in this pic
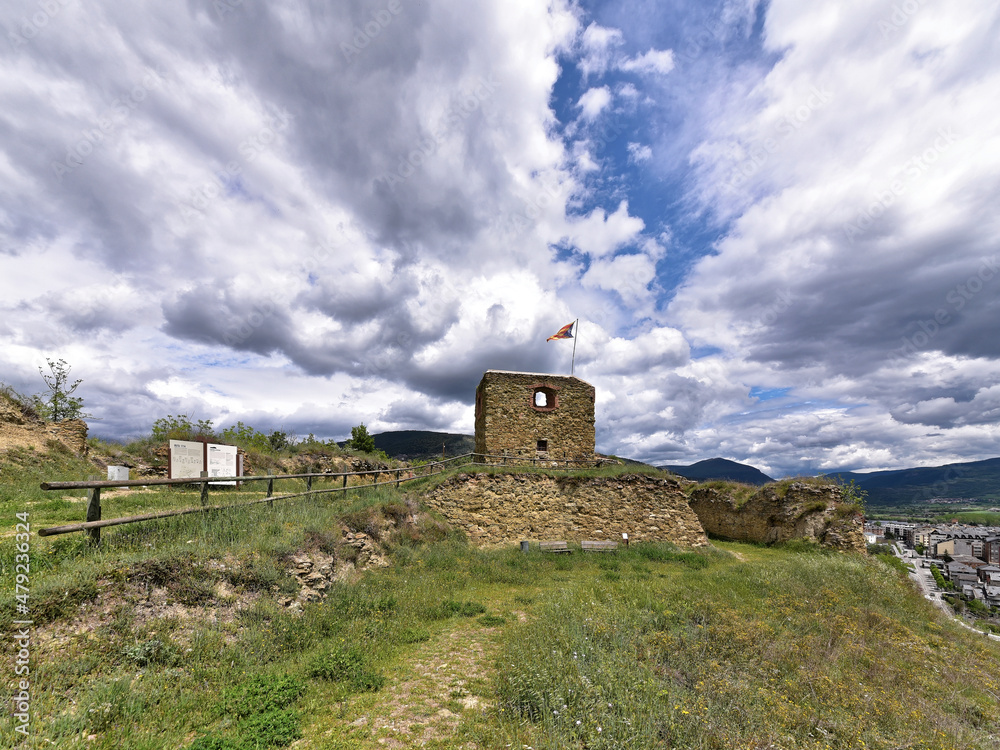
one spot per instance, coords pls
(553, 547)
(599, 546)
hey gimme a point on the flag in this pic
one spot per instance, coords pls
(566, 332)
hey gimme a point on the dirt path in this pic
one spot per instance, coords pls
(423, 704)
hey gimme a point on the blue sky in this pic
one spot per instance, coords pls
(776, 222)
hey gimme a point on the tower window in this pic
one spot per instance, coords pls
(543, 398)
(543, 446)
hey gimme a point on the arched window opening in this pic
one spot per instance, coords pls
(544, 398)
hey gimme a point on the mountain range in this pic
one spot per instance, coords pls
(422, 445)
(972, 479)
(719, 468)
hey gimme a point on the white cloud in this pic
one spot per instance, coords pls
(598, 47)
(600, 233)
(594, 101)
(639, 153)
(449, 221)
(857, 194)
(653, 61)
(628, 275)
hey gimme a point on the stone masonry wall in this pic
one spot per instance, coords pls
(805, 512)
(495, 509)
(508, 422)
(72, 433)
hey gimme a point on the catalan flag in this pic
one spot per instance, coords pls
(566, 332)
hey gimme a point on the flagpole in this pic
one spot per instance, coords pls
(576, 327)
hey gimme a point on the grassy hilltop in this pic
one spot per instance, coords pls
(176, 634)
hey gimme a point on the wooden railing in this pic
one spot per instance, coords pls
(95, 523)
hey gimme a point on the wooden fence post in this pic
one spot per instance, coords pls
(204, 490)
(397, 479)
(309, 484)
(270, 490)
(94, 509)
(345, 481)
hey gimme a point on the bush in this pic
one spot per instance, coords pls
(361, 440)
(181, 428)
(465, 609)
(246, 437)
(274, 728)
(348, 666)
(213, 742)
(262, 694)
(151, 652)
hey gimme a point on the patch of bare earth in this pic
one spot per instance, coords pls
(147, 606)
(423, 704)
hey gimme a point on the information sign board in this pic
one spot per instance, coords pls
(222, 462)
(187, 459)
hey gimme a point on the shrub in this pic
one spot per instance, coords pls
(465, 609)
(213, 742)
(181, 428)
(246, 437)
(414, 635)
(274, 728)
(348, 666)
(151, 652)
(361, 440)
(263, 693)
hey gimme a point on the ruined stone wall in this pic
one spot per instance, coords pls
(805, 512)
(495, 509)
(72, 433)
(508, 421)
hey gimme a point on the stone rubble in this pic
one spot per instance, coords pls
(316, 571)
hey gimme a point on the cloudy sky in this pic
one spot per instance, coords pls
(776, 222)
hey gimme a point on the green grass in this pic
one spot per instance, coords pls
(983, 518)
(736, 491)
(651, 647)
(788, 650)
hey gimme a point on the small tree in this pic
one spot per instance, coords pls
(853, 494)
(59, 403)
(246, 437)
(181, 428)
(278, 440)
(361, 440)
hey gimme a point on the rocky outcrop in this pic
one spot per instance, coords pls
(19, 429)
(780, 513)
(493, 509)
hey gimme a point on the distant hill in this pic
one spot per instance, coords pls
(420, 445)
(908, 486)
(720, 468)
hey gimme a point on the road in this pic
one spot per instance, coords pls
(925, 582)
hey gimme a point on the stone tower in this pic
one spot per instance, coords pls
(533, 415)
